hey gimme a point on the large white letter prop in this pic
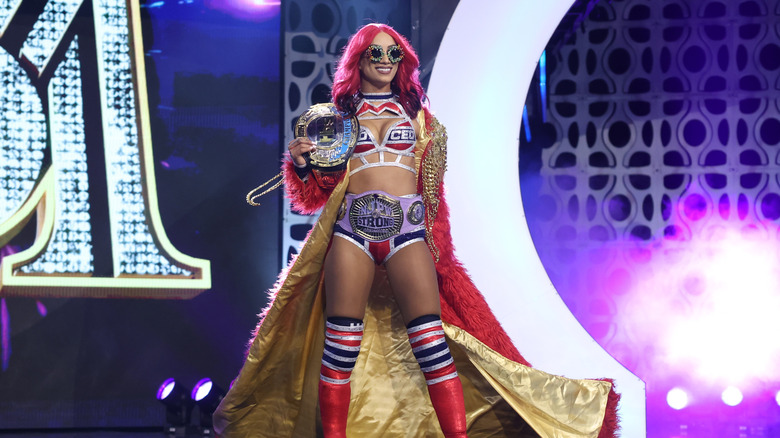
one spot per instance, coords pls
(60, 262)
(478, 87)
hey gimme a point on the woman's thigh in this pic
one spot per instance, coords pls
(412, 275)
(349, 273)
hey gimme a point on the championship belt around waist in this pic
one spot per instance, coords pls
(333, 132)
(377, 216)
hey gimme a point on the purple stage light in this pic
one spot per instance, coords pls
(732, 396)
(250, 10)
(5, 334)
(178, 406)
(165, 389)
(705, 307)
(677, 398)
(777, 398)
(41, 308)
(207, 396)
(201, 389)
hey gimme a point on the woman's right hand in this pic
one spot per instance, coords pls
(298, 147)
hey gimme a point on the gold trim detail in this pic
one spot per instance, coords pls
(433, 166)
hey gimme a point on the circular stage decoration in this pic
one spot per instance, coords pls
(488, 221)
(652, 194)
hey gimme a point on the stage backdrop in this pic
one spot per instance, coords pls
(134, 131)
(131, 135)
(650, 174)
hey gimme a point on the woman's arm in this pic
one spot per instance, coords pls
(307, 189)
(307, 194)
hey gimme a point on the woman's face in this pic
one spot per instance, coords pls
(377, 76)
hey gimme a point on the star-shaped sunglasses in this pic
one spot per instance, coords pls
(375, 53)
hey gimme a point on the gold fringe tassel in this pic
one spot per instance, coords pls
(250, 197)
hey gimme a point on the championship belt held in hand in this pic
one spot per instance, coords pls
(334, 133)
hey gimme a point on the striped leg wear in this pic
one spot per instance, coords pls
(342, 345)
(432, 353)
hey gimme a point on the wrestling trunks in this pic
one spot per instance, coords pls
(381, 224)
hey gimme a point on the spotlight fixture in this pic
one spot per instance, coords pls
(178, 406)
(206, 395)
(677, 398)
(732, 396)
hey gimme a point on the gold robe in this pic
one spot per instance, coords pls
(275, 394)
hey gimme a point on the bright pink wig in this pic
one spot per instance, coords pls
(406, 85)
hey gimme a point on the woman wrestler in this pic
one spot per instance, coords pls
(380, 261)
(377, 80)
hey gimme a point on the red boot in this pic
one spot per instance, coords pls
(432, 353)
(342, 345)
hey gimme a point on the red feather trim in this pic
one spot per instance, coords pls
(306, 197)
(461, 303)
(611, 424)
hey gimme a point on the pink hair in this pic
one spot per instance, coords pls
(406, 85)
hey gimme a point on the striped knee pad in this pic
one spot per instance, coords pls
(432, 353)
(342, 345)
(430, 349)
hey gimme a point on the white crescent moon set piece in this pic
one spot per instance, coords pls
(478, 87)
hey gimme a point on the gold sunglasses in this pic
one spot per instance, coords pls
(375, 53)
